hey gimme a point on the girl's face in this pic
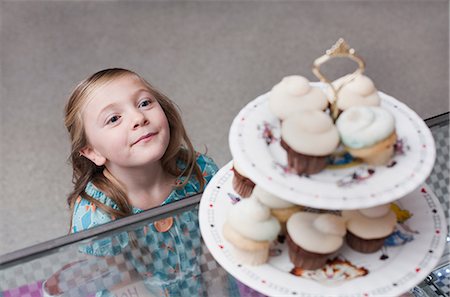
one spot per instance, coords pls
(124, 124)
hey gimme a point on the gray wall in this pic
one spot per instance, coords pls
(211, 57)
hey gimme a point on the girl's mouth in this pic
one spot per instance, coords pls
(145, 138)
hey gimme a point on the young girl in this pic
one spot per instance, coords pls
(130, 152)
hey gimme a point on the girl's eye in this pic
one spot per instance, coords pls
(113, 119)
(144, 103)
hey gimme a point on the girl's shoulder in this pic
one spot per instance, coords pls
(206, 164)
(208, 169)
(86, 214)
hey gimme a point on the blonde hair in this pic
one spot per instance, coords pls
(85, 171)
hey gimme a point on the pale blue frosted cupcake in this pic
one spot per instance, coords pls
(368, 133)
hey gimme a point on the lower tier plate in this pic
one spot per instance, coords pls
(408, 256)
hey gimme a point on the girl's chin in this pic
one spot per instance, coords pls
(148, 160)
(135, 163)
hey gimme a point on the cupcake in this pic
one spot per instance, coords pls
(368, 228)
(358, 92)
(309, 137)
(294, 93)
(368, 133)
(241, 183)
(250, 228)
(279, 208)
(312, 238)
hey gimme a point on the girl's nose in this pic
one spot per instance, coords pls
(139, 120)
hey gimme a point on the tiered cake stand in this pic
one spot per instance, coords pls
(408, 256)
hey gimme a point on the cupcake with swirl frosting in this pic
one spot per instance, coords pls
(294, 93)
(279, 208)
(250, 228)
(360, 91)
(368, 133)
(368, 228)
(309, 138)
(313, 238)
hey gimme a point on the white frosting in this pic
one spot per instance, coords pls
(238, 169)
(310, 132)
(317, 233)
(369, 227)
(376, 211)
(358, 92)
(253, 220)
(330, 224)
(269, 199)
(364, 126)
(294, 93)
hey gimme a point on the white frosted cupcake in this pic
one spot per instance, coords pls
(368, 228)
(309, 137)
(368, 132)
(312, 238)
(359, 92)
(294, 93)
(250, 228)
(279, 208)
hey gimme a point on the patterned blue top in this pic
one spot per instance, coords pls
(168, 261)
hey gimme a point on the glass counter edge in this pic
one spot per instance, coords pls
(438, 120)
(134, 221)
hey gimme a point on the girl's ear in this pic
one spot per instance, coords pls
(93, 155)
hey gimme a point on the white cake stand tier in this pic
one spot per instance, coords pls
(408, 256)
(254, 140)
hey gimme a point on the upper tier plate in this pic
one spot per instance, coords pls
(255, 144)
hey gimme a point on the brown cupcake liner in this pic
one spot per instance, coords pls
(365, 246)
(304, 164)
(304, 259)
(242, 185)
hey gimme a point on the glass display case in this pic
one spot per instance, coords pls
(60, 267)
